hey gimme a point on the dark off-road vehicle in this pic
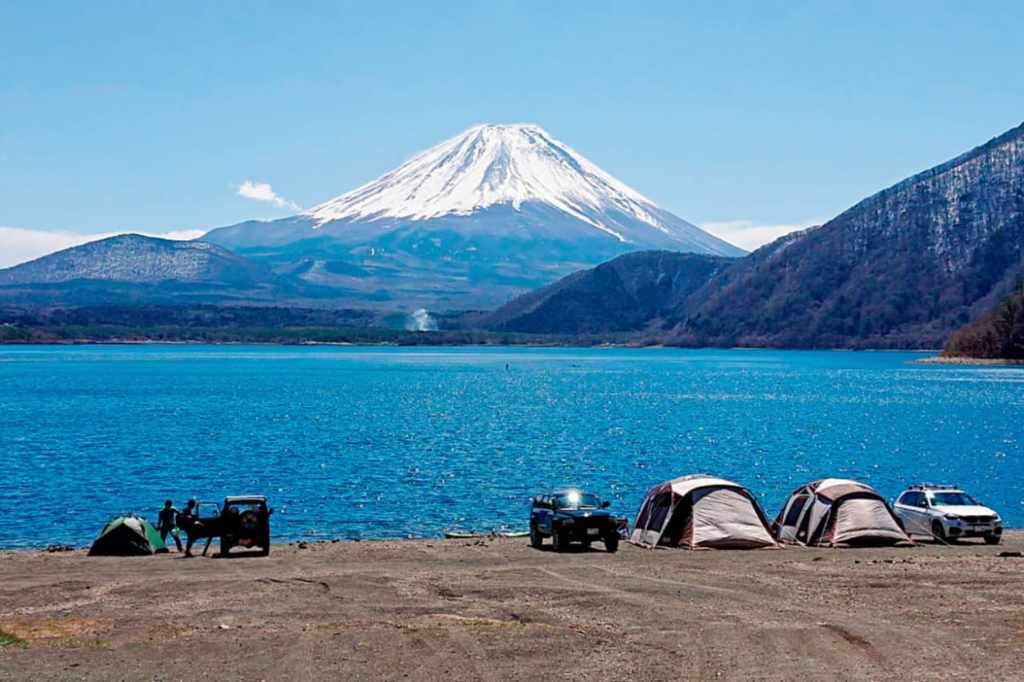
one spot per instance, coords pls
(572, 516)
(245, 522)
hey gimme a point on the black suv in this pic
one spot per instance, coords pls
(572, 516)
(245, 522)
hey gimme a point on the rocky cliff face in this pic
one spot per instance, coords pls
(900, 269)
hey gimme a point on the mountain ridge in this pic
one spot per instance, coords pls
(137, 268)
(628, 294)
(135, 258)
(900, 268)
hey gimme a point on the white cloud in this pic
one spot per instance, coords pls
(749, 235)
(20, 244)
(262, 191)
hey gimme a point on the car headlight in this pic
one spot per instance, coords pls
(952, 517)
(567, 522)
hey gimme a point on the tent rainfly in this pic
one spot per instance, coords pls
(127, 535)
(836, 511)
(701, 511)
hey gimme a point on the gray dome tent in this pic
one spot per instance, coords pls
(127, 535)
(837, 511)
(701, 511)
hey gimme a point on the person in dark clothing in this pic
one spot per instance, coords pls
(167, 522)
(189, 521)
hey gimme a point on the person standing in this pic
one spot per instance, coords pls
(167, 522)
(189, 522)
(195, 529)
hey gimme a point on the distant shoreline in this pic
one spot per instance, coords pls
(443, 343)
(961, 360)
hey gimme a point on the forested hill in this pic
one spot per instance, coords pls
(629, 294)
(901, 269)
(998, 335)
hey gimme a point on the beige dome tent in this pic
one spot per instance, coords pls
(701, 511)
(836, 511)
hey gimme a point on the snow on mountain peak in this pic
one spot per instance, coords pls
(496, 164)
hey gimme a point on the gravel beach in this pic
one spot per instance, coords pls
(492, 609)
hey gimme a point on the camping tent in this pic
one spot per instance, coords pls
(836, 511)
(701, 511)
(127, 535)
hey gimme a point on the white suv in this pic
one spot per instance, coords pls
(946, 513)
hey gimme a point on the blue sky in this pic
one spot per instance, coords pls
(149, 116)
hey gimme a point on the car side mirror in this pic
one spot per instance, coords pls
(270, 511)
(605, 504)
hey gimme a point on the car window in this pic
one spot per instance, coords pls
(207, 511)
(244, 507)
(576, 500)
(910, 499)
(953, 499)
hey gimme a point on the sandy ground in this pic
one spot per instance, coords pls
(497, 609)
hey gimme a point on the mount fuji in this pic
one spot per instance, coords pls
(473, 221)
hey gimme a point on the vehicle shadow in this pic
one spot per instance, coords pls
(952, 542)
(574, 548)
(240, 555)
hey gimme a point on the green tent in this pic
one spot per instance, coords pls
(128, 535)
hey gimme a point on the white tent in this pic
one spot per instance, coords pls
(837, 511)
(701, 511)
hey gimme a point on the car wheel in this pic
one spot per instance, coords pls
(992, 539)
(611, 543)
(938, 532)
(559, 541)
(536, 539)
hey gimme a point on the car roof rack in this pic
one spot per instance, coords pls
(932, 486)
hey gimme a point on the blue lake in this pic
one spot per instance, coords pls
(354, 442)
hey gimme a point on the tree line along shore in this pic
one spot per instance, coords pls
(995, 338)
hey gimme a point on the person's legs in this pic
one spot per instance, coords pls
(188, 544)
(177, 540)
(163, 536)
(208, 541)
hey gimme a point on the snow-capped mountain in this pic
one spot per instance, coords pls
(514, 165)
(480, 217)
